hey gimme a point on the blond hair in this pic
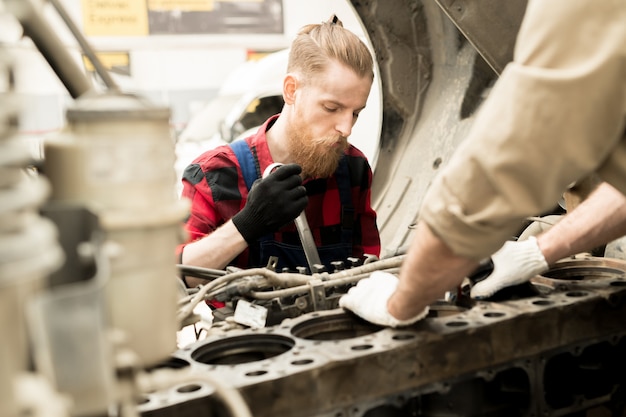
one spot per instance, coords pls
(316, 44)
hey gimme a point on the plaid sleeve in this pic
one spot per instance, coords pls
(216, 193)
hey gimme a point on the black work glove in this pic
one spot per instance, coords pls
(272, 202)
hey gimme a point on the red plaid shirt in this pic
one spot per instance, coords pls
(215, 185)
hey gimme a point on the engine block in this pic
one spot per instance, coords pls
(555, 352)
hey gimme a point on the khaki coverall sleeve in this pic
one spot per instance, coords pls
(555, 115)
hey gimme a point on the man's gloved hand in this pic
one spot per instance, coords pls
(515, 263)
(272, 202)
(368, 300)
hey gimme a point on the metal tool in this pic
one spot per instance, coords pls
(304, 231)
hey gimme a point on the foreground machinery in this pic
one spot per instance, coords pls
(89, 296)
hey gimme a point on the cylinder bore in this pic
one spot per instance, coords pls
(587, 269)
(242, 349)
(333, 327)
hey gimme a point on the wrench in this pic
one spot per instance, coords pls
(304, 231)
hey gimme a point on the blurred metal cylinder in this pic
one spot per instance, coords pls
(116, 157)
(29, 250)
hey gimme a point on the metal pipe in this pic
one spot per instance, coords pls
(302, 289)
(288, 279)
(50, 46)
(87, 50)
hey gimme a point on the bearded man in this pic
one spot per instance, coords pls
(238, 218)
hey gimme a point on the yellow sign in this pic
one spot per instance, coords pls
(181, 5)
(115, 17)
(112, 61)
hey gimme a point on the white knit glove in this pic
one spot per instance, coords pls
(368, 300)
(515, 263)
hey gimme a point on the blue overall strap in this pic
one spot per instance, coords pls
(246, 162)
(345, 196)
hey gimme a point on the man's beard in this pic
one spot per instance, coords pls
(318, 157)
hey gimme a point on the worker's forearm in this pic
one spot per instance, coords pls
(214, 251)
(599, 219)
(429, 270)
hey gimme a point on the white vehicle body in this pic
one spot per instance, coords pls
(251, 94)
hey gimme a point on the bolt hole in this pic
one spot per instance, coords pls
(256, 373)
(189, 388)
(576, 294)
(492, 314)
(403, 336)
(361, 347)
